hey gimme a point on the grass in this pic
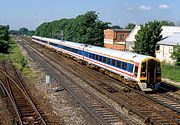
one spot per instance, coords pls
(19, 60)
(171, 72)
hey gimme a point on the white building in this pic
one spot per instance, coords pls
(170, 35)
(165, 47)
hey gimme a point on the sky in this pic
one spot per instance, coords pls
(32, 13)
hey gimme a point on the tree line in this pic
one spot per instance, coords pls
(86, 28)
(4, 38)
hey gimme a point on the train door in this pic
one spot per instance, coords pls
(151, 71)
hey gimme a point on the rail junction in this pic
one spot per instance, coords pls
(24, 109)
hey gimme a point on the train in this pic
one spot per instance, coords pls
(140, 71)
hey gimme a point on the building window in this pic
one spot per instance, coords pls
(121, 36)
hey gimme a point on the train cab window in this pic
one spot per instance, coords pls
(158, 69)
(104, 59)
(118, 64)
(136, 71)
(113, 62)
(143, 69)
(124, 65)
(100, 58)
(108, 61)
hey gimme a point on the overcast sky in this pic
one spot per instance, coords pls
(31, 13)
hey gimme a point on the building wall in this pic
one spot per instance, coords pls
(164, 53)
(115, 39)
(108, 34)
(129, 46)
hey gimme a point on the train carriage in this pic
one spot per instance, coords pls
(144, 71)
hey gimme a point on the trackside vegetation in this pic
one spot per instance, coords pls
(19, 60)
(4, 39)
(171, 72)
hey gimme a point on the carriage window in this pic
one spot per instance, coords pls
(131, 67)
(124, 65)
(136, 71)
(96, 57)
(93, 56)
(143, 69)
(108, 61)
(90, 55)
(86, 54)
(104, 59)
(118, 64)
(75, 51)
(100, 58)
(113, 62)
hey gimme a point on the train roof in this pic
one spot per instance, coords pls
(129, 56)
(118, 54)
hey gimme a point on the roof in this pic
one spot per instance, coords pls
(131, 36)
(173, 39)
(166, 31)
(123, 30)
(169, 30)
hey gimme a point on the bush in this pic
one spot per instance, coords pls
(4, 46)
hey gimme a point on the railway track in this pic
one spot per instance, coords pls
(119, 96)
(160, 114)
(24, 110)
(102, 112)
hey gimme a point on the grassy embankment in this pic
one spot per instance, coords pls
(171, 72)
(18, 59)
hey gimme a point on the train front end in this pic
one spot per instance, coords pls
(150, 74)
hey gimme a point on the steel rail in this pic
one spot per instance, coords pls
(144, 95)
(97, 116)
(24, 94)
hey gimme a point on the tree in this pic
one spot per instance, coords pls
(130, 26)
(4, 34)
(167, 23)
(176, 54)
(4, 37)
(116, 27)
(147, 38)
(23, 31)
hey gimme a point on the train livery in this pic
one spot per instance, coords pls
(139, 70)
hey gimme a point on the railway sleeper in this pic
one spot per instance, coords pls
(111, 119)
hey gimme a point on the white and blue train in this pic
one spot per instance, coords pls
(143, 71)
